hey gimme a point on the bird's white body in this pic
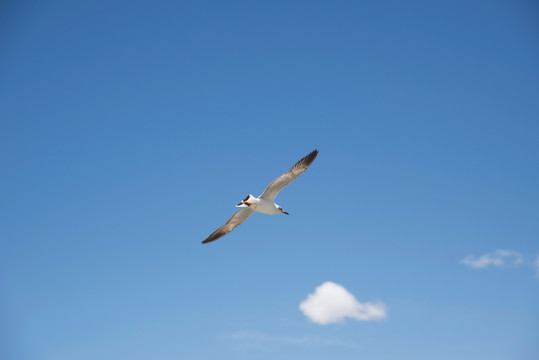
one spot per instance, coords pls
(264, 206)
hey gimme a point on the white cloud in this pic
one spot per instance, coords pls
(263, 338)
(498, 258)
(332, 303)
(249, 340)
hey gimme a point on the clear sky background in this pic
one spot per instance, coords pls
(129, 130)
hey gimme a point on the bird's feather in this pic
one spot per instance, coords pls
(278, 184)
(232, 223)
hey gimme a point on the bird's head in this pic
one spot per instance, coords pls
(282, 211)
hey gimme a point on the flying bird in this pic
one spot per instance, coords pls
(265, 202)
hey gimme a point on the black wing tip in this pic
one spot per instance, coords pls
(310, 158)
(208, 240)
(216, 235)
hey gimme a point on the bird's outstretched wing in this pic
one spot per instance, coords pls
(278, 184)
(231, 224)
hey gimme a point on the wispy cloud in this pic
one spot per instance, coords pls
(498, 258)
(536, 263)
(249, 340)
(255, 337)
(332, 303)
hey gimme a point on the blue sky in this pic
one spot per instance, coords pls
(129, 130)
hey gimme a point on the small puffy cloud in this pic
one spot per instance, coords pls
(498, 258)
(332, 303)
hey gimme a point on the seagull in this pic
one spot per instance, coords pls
(264, 203)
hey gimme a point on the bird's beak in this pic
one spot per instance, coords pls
(284, 212)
